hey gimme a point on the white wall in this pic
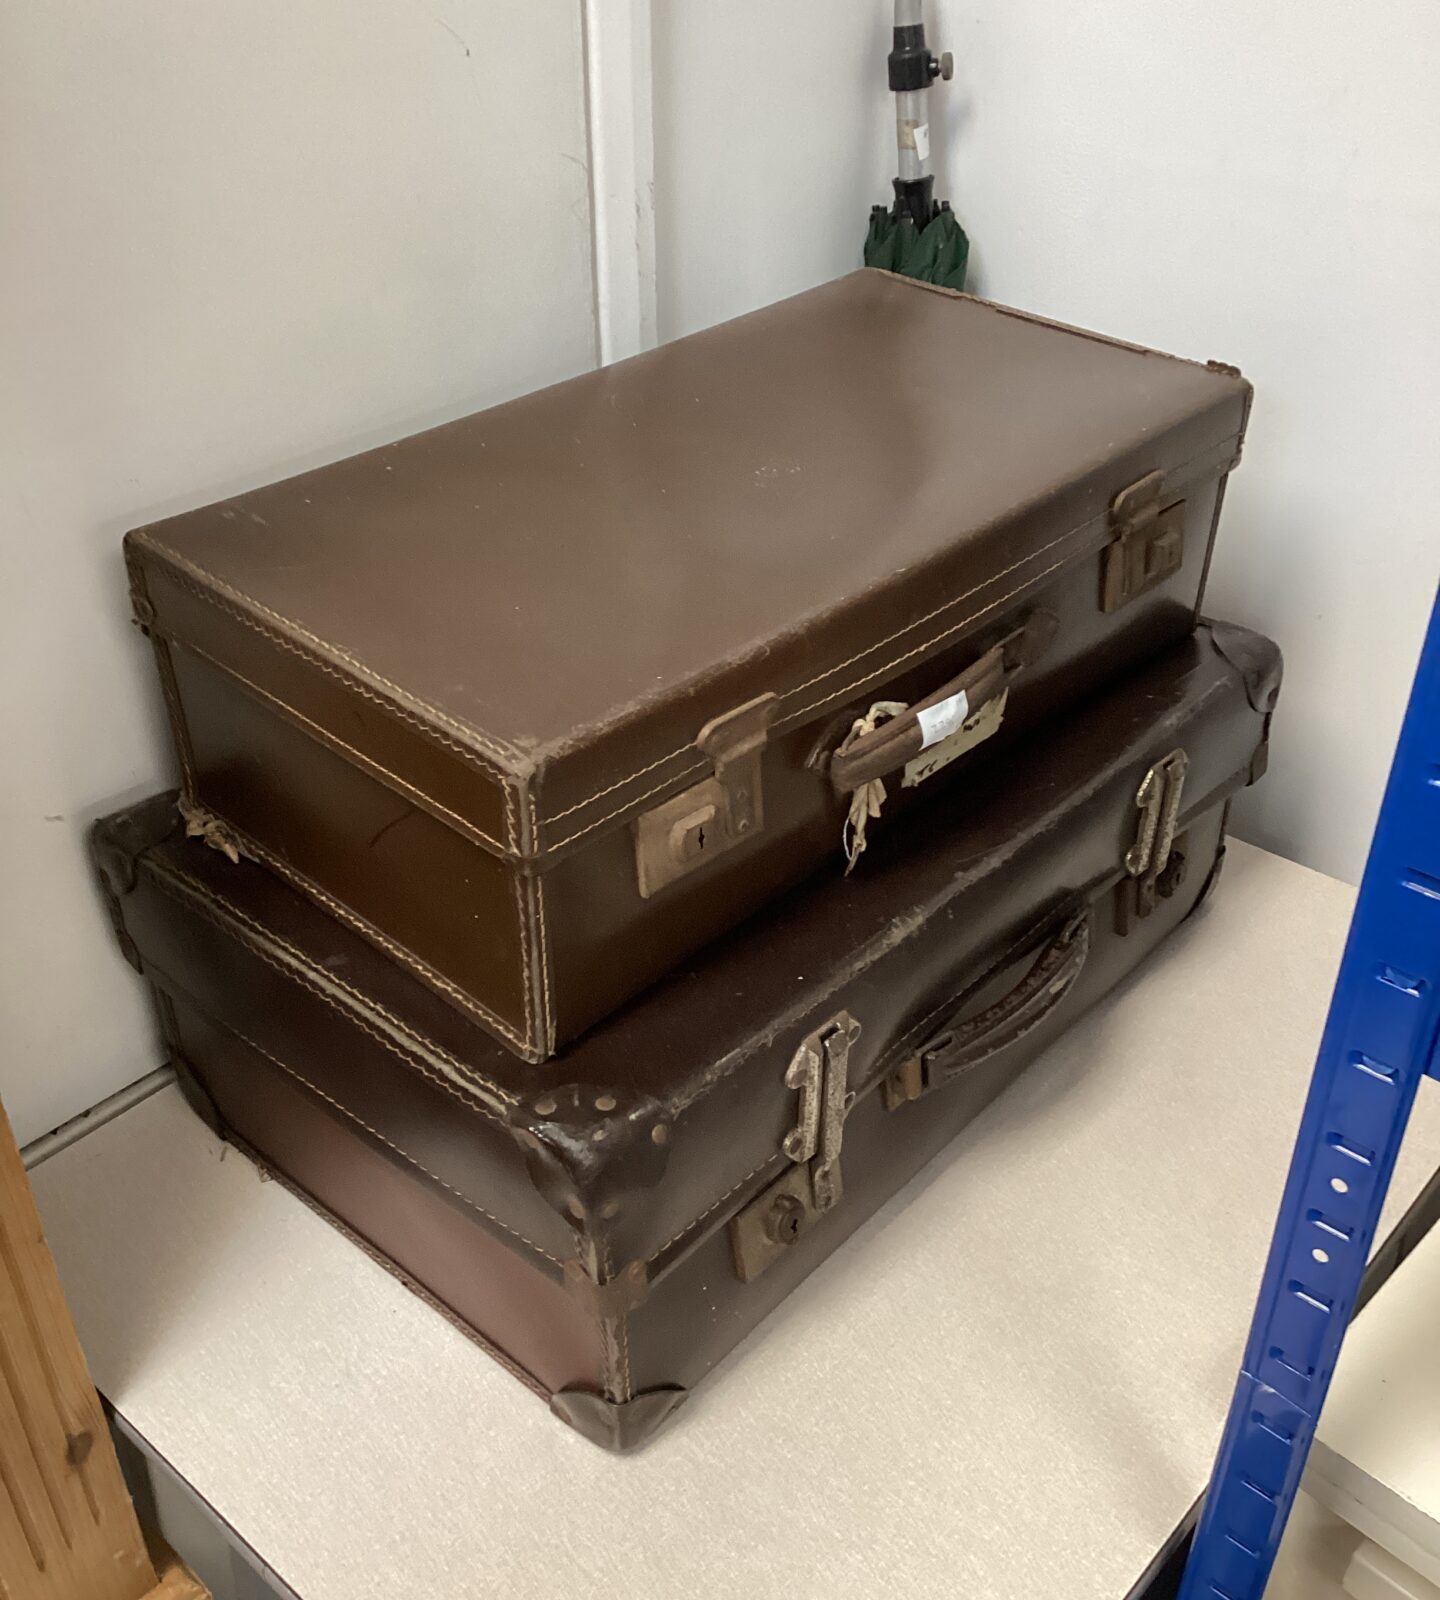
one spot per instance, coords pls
(236, 238)
(1253, 182)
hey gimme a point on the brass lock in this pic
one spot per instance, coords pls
(1148, 545)
(714, 815)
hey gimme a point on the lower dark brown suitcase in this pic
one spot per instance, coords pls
(612, 1224)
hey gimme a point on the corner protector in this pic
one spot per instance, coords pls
(617, 1425)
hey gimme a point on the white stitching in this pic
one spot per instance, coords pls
(472, 757)
(291, 976)
(526, 980)
(791, 693)
(921, 648)
(547, 1014)
(147, 537)
(390, 1143)
(171, 690)
(487, 741)
(834, 694)
(207, 903)
(714, 1205)
(325, 736)
(420, 1042)
(369, 931)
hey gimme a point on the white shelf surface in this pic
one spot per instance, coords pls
(1376, 1459)
(1008, 1386)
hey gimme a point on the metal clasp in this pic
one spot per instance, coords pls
(1151, 863)
(717, 813)
(819, 1072)
(1148, 544)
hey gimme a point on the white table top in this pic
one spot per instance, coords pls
(1376, 1460)
(1008, 1386)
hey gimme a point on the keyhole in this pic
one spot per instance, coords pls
(700, 838)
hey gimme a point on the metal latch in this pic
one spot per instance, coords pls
(1153, 866)
(717, 813)
(1148, 543)
(819, 1072)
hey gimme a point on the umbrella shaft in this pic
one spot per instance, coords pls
(912, 131)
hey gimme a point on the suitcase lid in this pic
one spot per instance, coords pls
(565, 590)
(650, 1123)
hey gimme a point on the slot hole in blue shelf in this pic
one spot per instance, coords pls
(1306, 1297)
(1373, 1068)
(1328, 1225)
(1277, 1355)
(1422, 883)
(1342, 1146)
(1406, 982)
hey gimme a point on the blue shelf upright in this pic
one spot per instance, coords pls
(1379, 1042)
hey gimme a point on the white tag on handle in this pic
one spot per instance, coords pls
(940, 721)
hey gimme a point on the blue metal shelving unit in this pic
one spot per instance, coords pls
(1379, 1042)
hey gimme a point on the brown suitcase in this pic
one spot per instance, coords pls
(612, 1223)
(543, 700)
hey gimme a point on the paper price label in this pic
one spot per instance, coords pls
(940, 721)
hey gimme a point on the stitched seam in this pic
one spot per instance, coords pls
(469, 756)
(616, 1328)
(206, 904)
(714, 1205)
(370, 932)
(833, 694)
(526, 980)
(879, 644)
(324, 736)
(607, 1371)
(420, 1166)
(472, 757)
(408, 1282)
(547, 1014)
(178, 726)
(363, 1000)
(799, 688)
(487, 741)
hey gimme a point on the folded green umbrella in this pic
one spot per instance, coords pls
(936, 253)
(918, 235)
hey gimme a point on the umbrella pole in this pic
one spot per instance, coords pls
(912, 70)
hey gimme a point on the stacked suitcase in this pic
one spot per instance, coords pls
(649, 819)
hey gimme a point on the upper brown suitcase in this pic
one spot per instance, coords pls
(542, 700)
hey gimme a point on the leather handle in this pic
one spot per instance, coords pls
(959, 1045)
(861, 758)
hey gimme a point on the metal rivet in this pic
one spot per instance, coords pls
(611, 1208)
(596, 1135)
(604, 1102)
(545, 1106)
(574, 1207)
(660, 1133)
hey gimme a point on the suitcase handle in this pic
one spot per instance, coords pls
(860, 758)
(962, 1044)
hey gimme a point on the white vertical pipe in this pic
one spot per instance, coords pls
(620, 120)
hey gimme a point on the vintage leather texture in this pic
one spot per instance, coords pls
(577, 1214)
(436, 685)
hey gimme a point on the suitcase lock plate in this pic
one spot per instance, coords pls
(1147, 544)
(1152, 864)
(819, 1072)
(716, 814)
